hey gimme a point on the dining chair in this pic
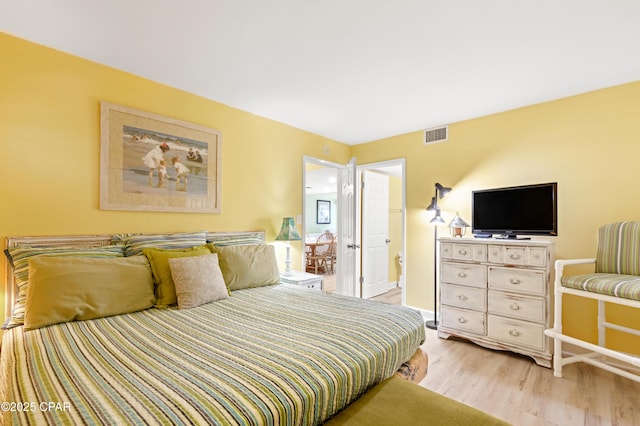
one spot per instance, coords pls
(318, 259)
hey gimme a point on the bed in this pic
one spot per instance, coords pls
(272, 354)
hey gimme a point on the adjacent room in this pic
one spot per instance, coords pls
(298, 213)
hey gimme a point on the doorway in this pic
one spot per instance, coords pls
(322, 183)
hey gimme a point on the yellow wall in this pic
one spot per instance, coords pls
(50, 139)
(586, 143)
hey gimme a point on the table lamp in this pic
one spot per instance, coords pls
(288, 233)
(458, 226)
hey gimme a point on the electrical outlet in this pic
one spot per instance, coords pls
(299, 218)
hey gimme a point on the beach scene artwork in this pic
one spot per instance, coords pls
(149, 162)
(138, 176)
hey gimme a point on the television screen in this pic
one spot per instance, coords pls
(524, 210)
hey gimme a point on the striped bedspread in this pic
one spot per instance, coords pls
(275, 355)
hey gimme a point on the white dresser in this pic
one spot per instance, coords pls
(497, 293)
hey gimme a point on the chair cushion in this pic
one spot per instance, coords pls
(616, 285)
(619, 248)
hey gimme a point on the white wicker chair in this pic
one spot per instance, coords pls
(617, 281)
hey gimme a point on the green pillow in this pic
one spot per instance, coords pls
(159, 260)
(65, 289)
(19, 258)
(247, 266)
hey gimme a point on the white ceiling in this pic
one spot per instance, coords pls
(351, 70)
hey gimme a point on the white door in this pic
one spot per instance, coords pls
(375, 234)
(347, 247)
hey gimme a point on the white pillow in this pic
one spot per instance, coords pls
(198, 280)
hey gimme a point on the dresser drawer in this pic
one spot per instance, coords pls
(474, 252)
(510, 305)
(463, 320)
(516, 332)
(518, 256)
(446, 250)
(465, 274)
(515, 255)
(517, 280)
(508, 255)
(538, 256)
(464, 297)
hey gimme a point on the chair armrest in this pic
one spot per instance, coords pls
(561, 263)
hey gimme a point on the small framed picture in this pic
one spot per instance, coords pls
(323, 212)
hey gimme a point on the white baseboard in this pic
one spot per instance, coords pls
(426, 315)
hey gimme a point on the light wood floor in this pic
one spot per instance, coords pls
(393, 296)
(517, 390)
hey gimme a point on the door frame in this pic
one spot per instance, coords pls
(370, 166)
(318, 162)
(375, 166)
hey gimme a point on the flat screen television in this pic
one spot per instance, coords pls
(517, 210)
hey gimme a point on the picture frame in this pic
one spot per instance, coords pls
(149, 162)
(323, 212)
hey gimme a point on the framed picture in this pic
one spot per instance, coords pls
(153, 163)
(323, 211)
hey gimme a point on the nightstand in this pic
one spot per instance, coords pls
(302, 279)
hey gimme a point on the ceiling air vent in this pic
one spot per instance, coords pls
(437, 134)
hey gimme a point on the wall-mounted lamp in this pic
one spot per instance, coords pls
(441, 191)
(458, 226)
(288, 233)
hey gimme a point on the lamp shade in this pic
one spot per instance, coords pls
(288, 230)
(433, 205)
(458, 226)
(458, 222)
(437, 218)
(442, 190)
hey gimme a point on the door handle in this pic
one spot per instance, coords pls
(387, 241)
(353, 246)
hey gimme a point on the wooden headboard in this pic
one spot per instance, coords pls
(85, 241)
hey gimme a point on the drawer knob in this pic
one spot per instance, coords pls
(462, 252)
(462, 320)
(462, 274)
(514, 256)
(462, 297)
(515, 281)
(514, 306)
(515, 333)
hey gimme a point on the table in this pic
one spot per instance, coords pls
(302, 279)
(313, 246)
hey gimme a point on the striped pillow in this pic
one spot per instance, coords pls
(234, 240)
(619, 248)
(19, 259)
(135, 243)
